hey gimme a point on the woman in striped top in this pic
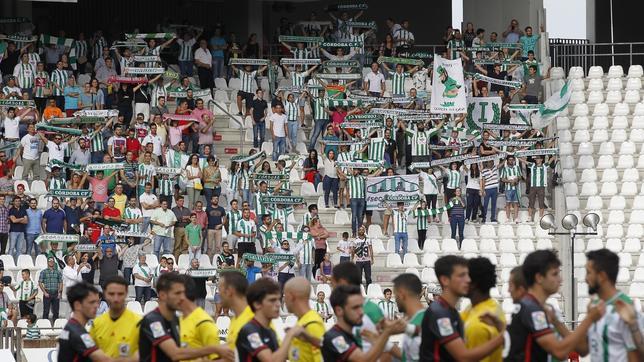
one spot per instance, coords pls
(453, 175)
(244, 182)
(233, 183)
(457, 217)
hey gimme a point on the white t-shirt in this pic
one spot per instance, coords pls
(473, 183)
(345, 245)
(144, 271)
(56, 152)
(148, 199)
(156, 143)
(329, 168)
(429, 187)
(203, 55)
(279, 120)
(375, 81)
(11, 127)
(192, 171)
(30, 145)
(71, 276)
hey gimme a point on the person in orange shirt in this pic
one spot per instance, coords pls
(52, 110)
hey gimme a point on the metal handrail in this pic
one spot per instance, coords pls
(567, 53)
(234, 118)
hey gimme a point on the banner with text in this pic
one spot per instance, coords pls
(448, 91)
(399, 187)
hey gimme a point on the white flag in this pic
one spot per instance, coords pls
(557, 102)
(448, 92)
(483, 110)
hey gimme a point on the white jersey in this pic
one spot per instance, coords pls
(609, 339)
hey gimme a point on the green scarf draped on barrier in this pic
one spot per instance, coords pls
(54, 40)
(10, 146)
(281, 235)
(76, 120)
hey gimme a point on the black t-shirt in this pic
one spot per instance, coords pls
(501, 76)
(200, 287)
(18, 214)
(254, 338)
(75, 344)
(154, 329)
(337, 345)
(258, 106)
(529, 322)
(441, 324)
(215, 214)
(141, 95)
(228, 260)
(275, 102)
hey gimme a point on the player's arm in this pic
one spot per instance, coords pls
(266, 355)
(457, 349)
(170, 348)
(378, 345)
(100, 356)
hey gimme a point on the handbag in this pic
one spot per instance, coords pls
(197, 184)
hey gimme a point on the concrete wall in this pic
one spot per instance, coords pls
(495, 15)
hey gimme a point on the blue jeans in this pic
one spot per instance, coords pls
(259, 130)
(330, 185)
(292, 133)
(146, 223)
(401, 238)
(358, 206)
(490, 194)
(218, 67)
(186, 68)
(143, 294)
(16, 243)
(97, 157)
(460, 222)
(279, 147)
(31, 244)
(318, 128)
(162, 241)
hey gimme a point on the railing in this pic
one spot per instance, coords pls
(235, 119)
(567, 53)
(11, 339)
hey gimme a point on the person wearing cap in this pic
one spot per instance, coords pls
(51, 284)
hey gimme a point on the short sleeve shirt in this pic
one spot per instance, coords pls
(154, 329)
(441, 325)
(529, 322)
(75, 344)
(338, 345)
(254, 338)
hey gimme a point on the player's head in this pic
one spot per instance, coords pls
(296, 293)
(232, 287)
(171, 290)
(263, 297)
(83, 298)
(452, 274)
(516, 284)
(346, 274)
(602, 267)
(482, 276)
(347, 301)
(407, 288)
(115, 292)
(541, 268)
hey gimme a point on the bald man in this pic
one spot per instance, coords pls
(307, 347)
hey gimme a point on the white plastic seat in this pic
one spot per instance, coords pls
(639, 109)
(600, 122)
(577, 84)
(594, 203)
(637, 217)
(429, 259)
(632, 96)
(220, 83)
(614, 231)
(487, 231)
(635, 71)
(595, 72)
(568, 175)
(600, 109)
(308, 189)
(581, 123)
(627, 148)
(585, 162)
(568, 161)
(605, 162)
(562, 123)
(449, 246)
(393, 261)
(595, 97)
(508, 260)
(621, 109)
(600, 135)
(593, 244)
(135, 307)
(487, 246)
(638, 202)
(638, 276)
(507, 246)
(506, 231)
(375, 231)
(636, 135)
(614, 245)
(633, 84)
(525, 231)
(589, 189)
(585, 148)
(625, 161)
(625, 260)
(613, 97)
(615, 71)
(565, 149)
(614, 84)
(469, 246)
(640, 162)
(636, 290)
(595, 85)
(25, 262)
(629, 189)
(341, 217)
(374, 291)
(608, 189)
(615, 217)
(572, 203)
(576, 73)
(617, 202)
(411, 260)
(577, 97)
(544, 244)
(580, 110)
(619, 135)
(588, 175)
(525, 246)
(557, 73)
(610, 175)
(581, 135)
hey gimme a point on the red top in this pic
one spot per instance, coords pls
(111, 212)
(133, 144)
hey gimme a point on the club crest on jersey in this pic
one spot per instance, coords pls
(340, 344)
(157, 329)
(255, 340)
(87, 340)
(124, 349)
(445, 327)
(539, 320)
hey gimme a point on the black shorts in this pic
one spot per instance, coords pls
(248, 97)
(243, 248)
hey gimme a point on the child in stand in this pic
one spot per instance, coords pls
(344, 247)
(192, 237)
(388, 306)
(33, 332)
(322, 308)
(326, 269)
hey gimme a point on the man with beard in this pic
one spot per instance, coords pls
(408, 289)
(418, 138)
(442, 327)
(531, 337)
(339, 343)
(159, 329)
(113, 331)
(609, 338)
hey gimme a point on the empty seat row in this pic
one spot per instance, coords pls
(602, 109)
(595, 97)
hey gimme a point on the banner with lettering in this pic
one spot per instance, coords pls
(400, 187)
(483, 110)
(448, 90)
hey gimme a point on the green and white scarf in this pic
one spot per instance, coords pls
(300, 39)
(282, 200)
(395, 60)
(17, 103)
(69, 193)
(71, 131)
(138, 70)
(150, 36)
(302, 61)
(54, 40)
(247, 61)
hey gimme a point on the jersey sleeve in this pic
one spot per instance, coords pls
(250, 340)
(535, 320)
(208, 334)
(440, 325)
(338, 345)
(82, 343)
(152, 329)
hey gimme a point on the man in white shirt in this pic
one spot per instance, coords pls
(203, 60)
(116, 145)
(149, 202)
(153, 138)
(29, 150)
(142, 280)
(11, 123)
(57, 147)
(280, 131)
(71, 272)
(163, 221)
(374, 82)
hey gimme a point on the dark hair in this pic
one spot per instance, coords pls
(479, 31)
(517, 278)
(444, 266)
(482, 273)
(191, 287)
(167, 280)
(259, 290)
(347, 271)
(387, 290)
(539, 262)
(235, 280)
(313, 207)
(32, 318)
(79, 291)
(410, 282)
(26, 271)
(475, 172)
(605, 261)
(528, 27)
(116, 280)
(345, 235)
(341, 293)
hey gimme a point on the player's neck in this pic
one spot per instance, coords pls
(607, 292)
(413, 308)
(239, 306)
(450, 298)
(300, 309)
(80, 318)
(116, 313)
(538, 292)
(262, 319)
(477, 297)
(166, 312)
(342, 324)
(188, 307)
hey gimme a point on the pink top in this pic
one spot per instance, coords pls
(175, 135)
(99, 189)
(336, 119)
(205, 138)
(198, 113)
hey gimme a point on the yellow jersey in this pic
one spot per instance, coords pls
(120, 202)
(198, 330)
(302, 350)
(117, 338)
(236, 325)
(477, 332)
